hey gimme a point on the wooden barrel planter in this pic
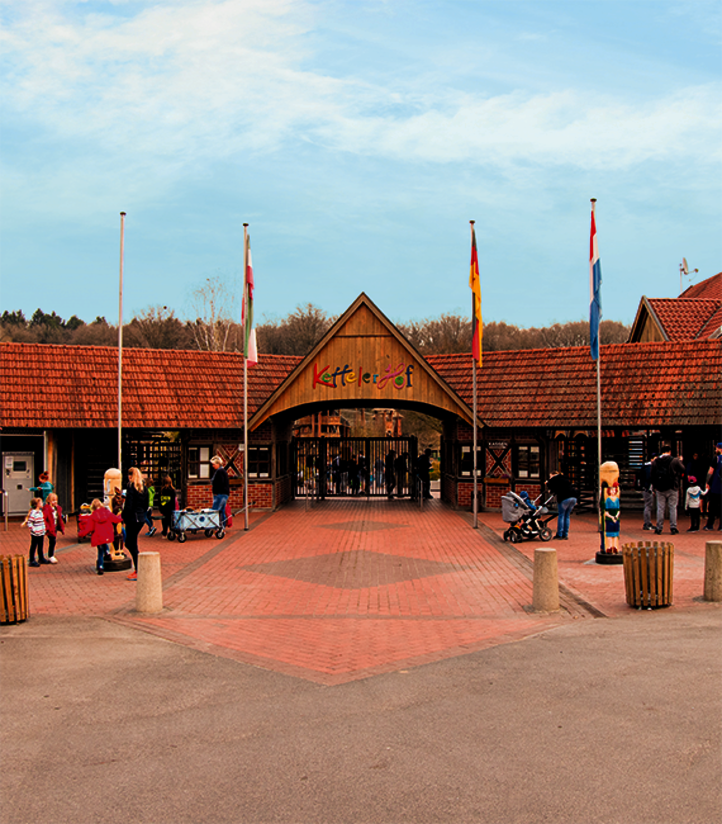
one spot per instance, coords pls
(648, 574)
(13, 589)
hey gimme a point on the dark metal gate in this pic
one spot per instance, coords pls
(344, 467)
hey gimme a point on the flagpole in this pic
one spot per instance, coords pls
(245, 379)
(120, 345)
(475, 506)
(599, 377)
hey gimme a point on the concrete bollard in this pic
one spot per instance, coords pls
(149, 592)
(713, 571)
(546, 580)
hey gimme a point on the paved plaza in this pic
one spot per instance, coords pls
(361, 661)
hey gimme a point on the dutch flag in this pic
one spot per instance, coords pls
(595, 285)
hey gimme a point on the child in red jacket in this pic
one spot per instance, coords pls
(53, 514)
(102, 521)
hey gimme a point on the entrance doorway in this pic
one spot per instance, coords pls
(347, 467)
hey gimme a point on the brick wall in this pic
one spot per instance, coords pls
(260, 496)
(492, 495)
(284, 490)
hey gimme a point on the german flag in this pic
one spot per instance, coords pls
(475, 284)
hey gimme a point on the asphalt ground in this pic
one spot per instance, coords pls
(361, 663)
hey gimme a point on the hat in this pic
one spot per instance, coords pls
(692, 479)
(719, 446)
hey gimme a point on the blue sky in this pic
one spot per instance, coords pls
(358, 139)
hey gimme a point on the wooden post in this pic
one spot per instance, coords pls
(713, 571)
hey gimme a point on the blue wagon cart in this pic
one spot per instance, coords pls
(207, 521)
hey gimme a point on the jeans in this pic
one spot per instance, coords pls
(714, 509)
(219, 503)
(667, 498)
(132, 530)
(565, 510)
(648, 498)
(103, 550)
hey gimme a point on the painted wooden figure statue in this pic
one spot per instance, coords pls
(609, 479)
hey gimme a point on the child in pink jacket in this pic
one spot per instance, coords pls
(102, 521)
(53, 514)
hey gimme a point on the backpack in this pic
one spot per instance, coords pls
(663, 478)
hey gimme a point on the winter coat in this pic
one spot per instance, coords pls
(102, 521)
(53, 519)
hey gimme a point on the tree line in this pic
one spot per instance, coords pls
(213, 330)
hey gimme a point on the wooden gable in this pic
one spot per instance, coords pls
(363, 360)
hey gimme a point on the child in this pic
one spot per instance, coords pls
(36, 523)
(692, 503)
(44, 487)
(53, 514)
(102, 520)
(149, 514)
(167, 504)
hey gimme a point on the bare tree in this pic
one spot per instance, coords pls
(297, 334)
(157, 327)
(214, 306)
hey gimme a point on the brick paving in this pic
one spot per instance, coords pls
(351, 589)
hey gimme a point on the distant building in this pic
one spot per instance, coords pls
(695, 315)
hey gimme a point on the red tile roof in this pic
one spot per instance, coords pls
(709, 289)
(643, 384)
(685, 319)
(76, 386)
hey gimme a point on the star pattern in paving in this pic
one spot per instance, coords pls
(355, 569)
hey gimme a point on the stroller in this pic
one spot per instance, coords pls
(526, 518)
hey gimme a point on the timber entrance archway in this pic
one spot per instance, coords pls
(363, 362)
(350, 467)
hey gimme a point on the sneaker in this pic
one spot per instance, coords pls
(33, 563)
(53, 560)
(708, 528)
(151, 532)
(133, 576)
(674, 530)
(100, 570)
(648, 528)
(657, 531)
(45, 561)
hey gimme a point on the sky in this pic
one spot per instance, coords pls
(358, 138)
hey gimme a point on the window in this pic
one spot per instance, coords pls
(259, 461)
(527, 461)
(466, 461)
(199, 462)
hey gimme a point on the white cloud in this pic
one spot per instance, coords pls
(188, 82)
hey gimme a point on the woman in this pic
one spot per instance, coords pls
(167, 504)
(561, 487)
(221, 488)
(134, 513)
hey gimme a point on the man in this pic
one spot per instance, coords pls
(644, 483)
(666, 474)
(390, 473)
(221, 489)
(714, 491)
(423, 468)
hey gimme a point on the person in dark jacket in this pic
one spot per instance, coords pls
(134, 512)
(221, 488)
(167, 504)
(667, 472)
(561, 487)
(714, 491)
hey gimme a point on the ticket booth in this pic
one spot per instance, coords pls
(18, 477)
